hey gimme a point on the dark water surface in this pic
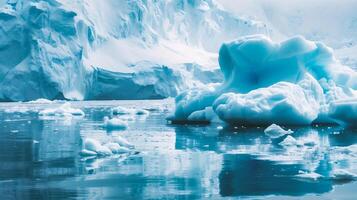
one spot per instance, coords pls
(39, 158)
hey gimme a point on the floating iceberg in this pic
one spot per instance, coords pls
(275, 131)
(293, 82)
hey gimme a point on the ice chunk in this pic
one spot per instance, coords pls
(122, 142)
(289, 141)
(115, 123)
(63, 110)
(191, 101)
(86, 152)
(343, 175)
(92, 147)
(309, 175)
(116, 148)
(120, 110)
(275, 131)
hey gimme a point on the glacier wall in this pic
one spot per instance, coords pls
(92, 49)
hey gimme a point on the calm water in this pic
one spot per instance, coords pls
(39, 158)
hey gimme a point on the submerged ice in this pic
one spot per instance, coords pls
(294, 82)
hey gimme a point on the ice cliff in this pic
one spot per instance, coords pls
(293, 82)
(113, 49)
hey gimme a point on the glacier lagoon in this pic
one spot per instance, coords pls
(40, 157)
(243, 63)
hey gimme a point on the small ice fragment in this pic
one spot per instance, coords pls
(123, 142)
(275, 131)
(122, 111)
(219, 127)
(289, 141)
(123, 150)
(86, 152)
(343, 175)
(92, 145)
(309, 175)
(114, 147)
(104, 151)
(115, 123)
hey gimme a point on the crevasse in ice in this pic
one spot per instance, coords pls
(294, 82)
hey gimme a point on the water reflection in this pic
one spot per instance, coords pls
(39, 159)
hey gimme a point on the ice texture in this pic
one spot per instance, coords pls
(293, 82)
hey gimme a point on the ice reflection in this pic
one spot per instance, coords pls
(39, 159)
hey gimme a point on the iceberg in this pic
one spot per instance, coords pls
(293, 82)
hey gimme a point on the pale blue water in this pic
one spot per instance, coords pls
(39, 159)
